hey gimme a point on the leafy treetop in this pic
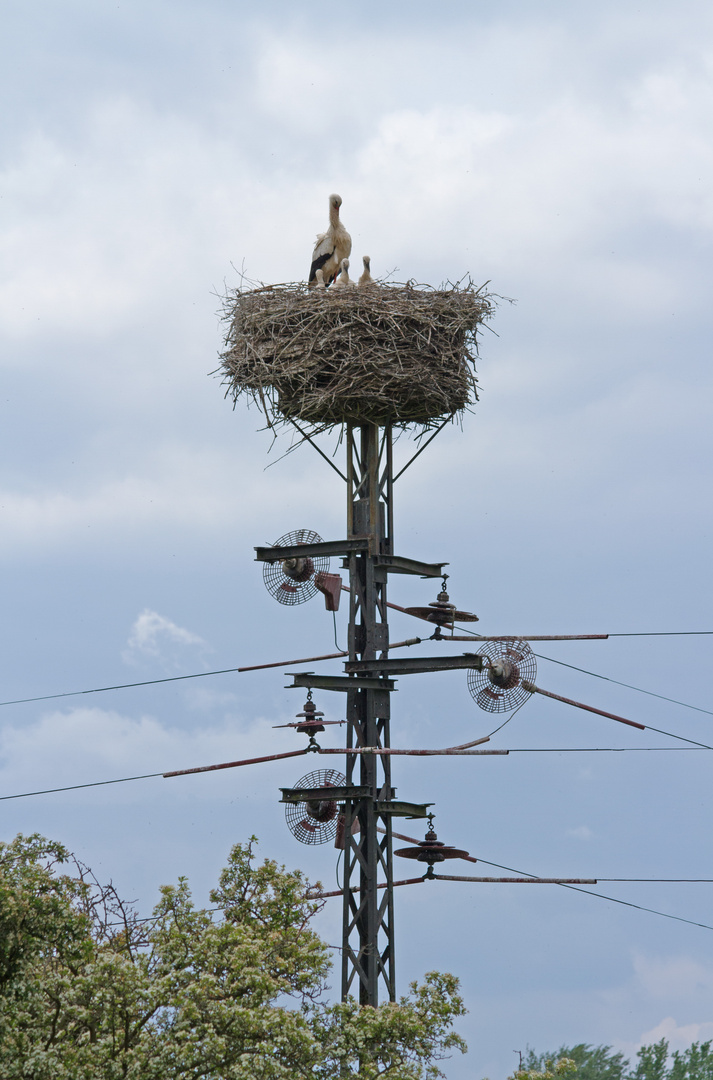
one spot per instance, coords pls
(87, 989)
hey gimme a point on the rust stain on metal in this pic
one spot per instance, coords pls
(532, 689)
(236, 764)
(381, 885)
(284, 663)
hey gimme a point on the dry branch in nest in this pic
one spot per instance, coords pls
(399, 354)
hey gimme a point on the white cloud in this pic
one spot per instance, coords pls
(678, 1036)
(84, 745)
(107, 227)
(672, 977)
(171, 488)
(563, 153)
(156, 636)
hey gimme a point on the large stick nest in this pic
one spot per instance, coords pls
(398, 354)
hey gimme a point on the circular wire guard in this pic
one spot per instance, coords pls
(295, 585)
(315, 822)
(508, 692)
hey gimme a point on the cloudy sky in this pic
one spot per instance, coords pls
(563, 152)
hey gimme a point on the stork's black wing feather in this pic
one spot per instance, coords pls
(318, 263)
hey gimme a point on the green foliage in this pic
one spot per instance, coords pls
(403, 1040)
(654, 1062)
(88, 990)
(592, 1062)
(696, 1063)
(547, 1069)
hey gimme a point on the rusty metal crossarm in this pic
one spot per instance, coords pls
(236, 764)
(397, 564)
(324, 548)
(381, 751)
(356, 889)
(414, 665)
(324, 794)
(399, 808)
(311, 681)
(532, 689)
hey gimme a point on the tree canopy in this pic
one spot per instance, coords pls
(88, 989)
(654, 1062)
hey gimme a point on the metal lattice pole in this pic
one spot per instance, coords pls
(368, 914)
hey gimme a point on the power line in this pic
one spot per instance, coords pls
(607, 678)
(174, 678)
(665, 633)
(75, 787)
(625, 903)
(516, 750)
(618, 682)
(198, 675)
(333, 656)
(119, 686)
(575, 888)
(607, 749)
(602, 896)
(648, 727)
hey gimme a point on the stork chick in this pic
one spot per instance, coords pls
(366, 278)
(319, 280)
(343, 281)
(331, 247)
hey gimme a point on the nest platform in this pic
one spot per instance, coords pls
(383, 354)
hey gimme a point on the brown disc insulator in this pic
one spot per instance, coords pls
(442, 612)
(310, 727)
(441, 615)
(310, 724)
(431, 851)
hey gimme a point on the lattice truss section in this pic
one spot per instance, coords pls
(368, 911)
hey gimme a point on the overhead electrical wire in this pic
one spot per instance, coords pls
(197, 675)
(607, 678)
(665, 633)
(298, 753)
(605, 749)
(575, 888)
(76, 787)
(613, 899)
(335, 656)
(331, 656)
(172, 678)
(618, 682)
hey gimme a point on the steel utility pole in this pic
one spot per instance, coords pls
(367, 799)
(368, 915)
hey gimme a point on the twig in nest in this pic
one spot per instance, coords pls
(398, 354)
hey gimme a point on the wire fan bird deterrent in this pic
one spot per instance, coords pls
(498, 687)
(315, 822)
(291, 581)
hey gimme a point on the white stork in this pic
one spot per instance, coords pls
(332, 246)
(343, 281)
(366, 278)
